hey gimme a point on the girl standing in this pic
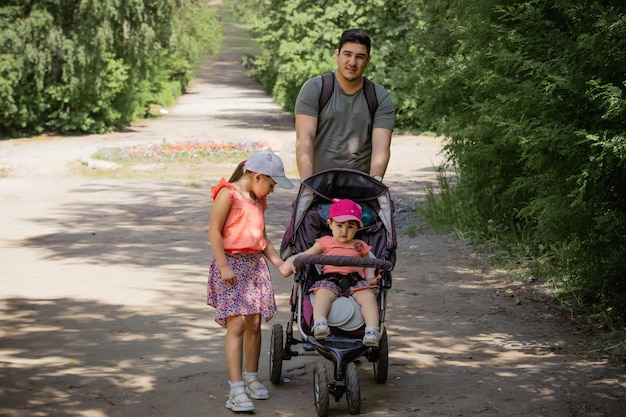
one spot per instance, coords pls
(239, 285)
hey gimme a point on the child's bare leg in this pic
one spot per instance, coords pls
(321, 306)
(252, 341)
(369, 307)
(233, 347)
(252, 350)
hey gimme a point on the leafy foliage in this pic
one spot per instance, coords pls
(534, 108)
(96, 65)
(528, 93)
(299, 37)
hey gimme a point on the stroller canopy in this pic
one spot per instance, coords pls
(307, 222)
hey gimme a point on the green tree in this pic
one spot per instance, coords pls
(96, 65)
(528, 93)
(298, 39)
(533, 103)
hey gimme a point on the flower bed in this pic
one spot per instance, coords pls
(179, 151)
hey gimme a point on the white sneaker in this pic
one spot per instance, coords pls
(238, 401)
(321, 331)
(371, 338)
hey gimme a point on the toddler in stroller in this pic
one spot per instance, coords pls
(345, 218)
(344, 338)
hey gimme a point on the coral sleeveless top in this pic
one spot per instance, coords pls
(245, 223)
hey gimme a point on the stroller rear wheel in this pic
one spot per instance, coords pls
(353, 390)
(320, 384)
(381, 365)
(276, 353)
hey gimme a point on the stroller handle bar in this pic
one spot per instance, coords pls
(302, 260)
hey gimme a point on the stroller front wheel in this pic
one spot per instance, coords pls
(353, 390)
(320, 384)
(276, 353)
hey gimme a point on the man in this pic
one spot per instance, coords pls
(343, 134)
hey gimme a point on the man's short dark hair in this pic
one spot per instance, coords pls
(356, 36)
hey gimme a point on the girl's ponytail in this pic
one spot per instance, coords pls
(238, 172)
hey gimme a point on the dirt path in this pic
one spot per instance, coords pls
(103, 287)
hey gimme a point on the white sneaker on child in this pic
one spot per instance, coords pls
(254, 387)
(238, 400)
(321, 331)
(371, 337)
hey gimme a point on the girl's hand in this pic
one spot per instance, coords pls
(287, 268)
(228, 276)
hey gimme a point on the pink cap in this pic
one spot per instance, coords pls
(345, 210)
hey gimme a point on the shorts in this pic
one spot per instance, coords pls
(331, 283)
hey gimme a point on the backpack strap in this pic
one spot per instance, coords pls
(370, 97)
(328, 85)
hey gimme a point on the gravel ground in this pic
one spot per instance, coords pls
(103, 288)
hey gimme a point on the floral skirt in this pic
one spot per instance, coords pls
(252, 293)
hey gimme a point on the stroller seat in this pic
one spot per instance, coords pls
(345, 313)
(345, 344)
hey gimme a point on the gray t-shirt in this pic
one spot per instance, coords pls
(344, 128)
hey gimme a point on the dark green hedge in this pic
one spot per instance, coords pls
(92, 66)
(530, 94)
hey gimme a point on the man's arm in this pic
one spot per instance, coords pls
(381, 151)
(306, 129)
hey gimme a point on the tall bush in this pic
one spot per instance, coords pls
(529, 94)
(533, 103)
(96, 65)
(299, 37)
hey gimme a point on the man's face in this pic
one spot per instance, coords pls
(351, 60)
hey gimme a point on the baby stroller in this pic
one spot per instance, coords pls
(344, 345)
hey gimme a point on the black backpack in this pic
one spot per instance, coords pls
(328, 84)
